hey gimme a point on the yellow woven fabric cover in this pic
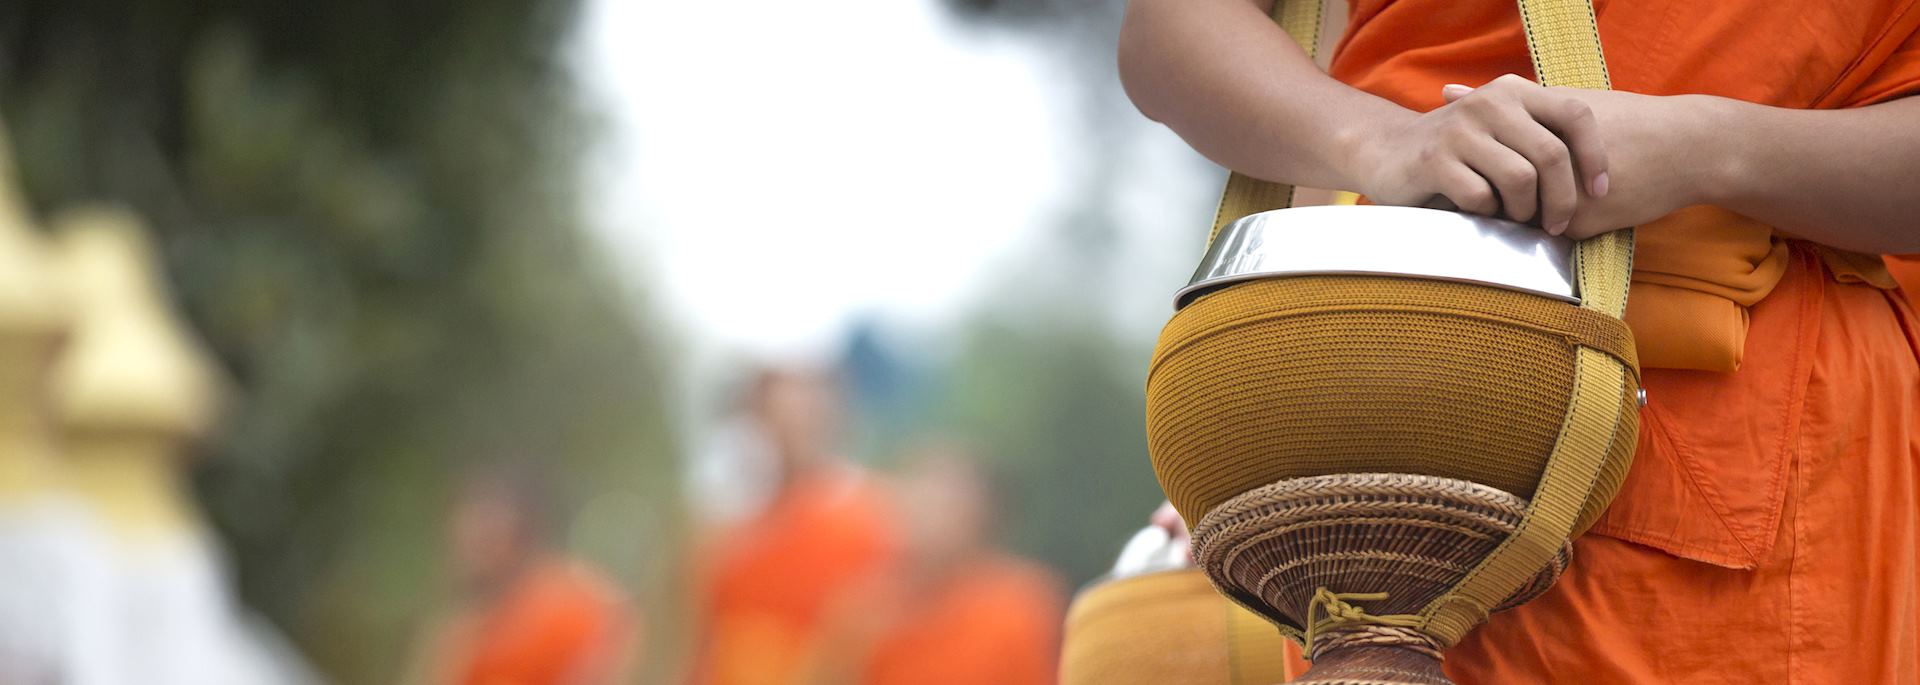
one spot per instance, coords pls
(1304, 376)
(1168, 627)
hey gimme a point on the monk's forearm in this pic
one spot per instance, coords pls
(1846, 178)
(1241, 92)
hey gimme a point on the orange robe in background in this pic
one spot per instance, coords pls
(772, 580)
(560, 624)
(1769, 531)
(997, 622)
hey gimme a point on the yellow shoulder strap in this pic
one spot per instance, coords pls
(1248, 195)
(1564, 41)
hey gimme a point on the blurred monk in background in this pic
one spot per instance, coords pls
(527, 615)
(770, 580)
(955, 610)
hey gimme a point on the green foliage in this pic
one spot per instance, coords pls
(368, 209)
(1057, 402)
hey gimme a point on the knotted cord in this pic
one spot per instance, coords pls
(1340, 614)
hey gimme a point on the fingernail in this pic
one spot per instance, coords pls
(1600, 184)
(1455, 90)
(1558, 228)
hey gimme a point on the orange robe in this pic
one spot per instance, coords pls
(1702, 264)
(560, 623)
(772, 580)
(1769, 531)
(1905, 270)
(1771, 536)
(997, 622)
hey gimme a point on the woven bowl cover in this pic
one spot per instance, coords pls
(1306, 376)
(1412, 537)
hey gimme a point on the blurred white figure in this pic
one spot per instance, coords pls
(132, 393)
(733, 474)
(742, 464)
(53, 575)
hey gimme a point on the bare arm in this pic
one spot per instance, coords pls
(1240, 91)
(1848, 178)
(1230, 82)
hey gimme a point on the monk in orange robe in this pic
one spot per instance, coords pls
(996, 621)
(770, 582)
(953, 610)
(559, 623)
(1769, 151)
(527, 615)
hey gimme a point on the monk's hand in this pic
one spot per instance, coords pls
(1509, 148)
(1662, 158)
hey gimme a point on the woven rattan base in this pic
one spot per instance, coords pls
(1384, 545)
(1375, 666)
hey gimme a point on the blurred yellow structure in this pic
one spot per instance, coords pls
(33, 319)
(53, 576)
(131, 393)
(134, 391)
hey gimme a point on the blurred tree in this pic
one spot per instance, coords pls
(368, 208)
(1055, 398)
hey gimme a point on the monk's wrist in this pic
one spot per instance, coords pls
(1725, 148)
(1360, 144)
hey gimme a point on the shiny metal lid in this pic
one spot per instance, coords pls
(1381, 240)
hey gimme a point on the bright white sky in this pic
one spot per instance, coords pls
(775, 169)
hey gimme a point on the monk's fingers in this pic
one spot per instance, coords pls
(1575, 124)
(1513, 176)
(1527, 147)
(1552, 161)
(1467, 190)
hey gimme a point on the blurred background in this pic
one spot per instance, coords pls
(572, 313)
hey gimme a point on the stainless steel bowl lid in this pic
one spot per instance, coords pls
(1381, 240)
